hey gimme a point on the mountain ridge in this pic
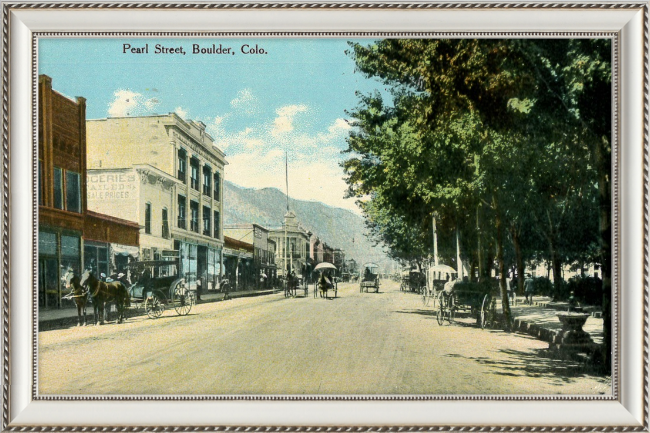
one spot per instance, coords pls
(339, 228)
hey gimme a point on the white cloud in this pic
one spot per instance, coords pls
(283, 124)
(339, 125)
(309, 179)
(181, 112)
(245, 102)
(126, 103)
(151, 103)
(256, 155)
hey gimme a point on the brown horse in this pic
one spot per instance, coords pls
(77, 293)
(324, 284)
(102, 292)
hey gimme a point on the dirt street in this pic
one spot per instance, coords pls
(358, 343)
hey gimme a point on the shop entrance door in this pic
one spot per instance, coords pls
(48, 282)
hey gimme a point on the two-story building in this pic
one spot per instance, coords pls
(293, 246)
(264, 268)
(68, 233)
(176, 174)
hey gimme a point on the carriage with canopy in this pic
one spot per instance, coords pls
(158, 284)
(322, 284)
(369, 278)
(436, 277)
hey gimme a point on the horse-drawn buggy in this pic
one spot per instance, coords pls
(293, 284)
(325, 281)
(436, 278)
(475, 298)
(158, 285)
(412, 280)
(369, 279)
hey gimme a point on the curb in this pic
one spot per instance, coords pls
(71, 321)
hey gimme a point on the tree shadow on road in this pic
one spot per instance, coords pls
(419, 312)
(537, 363)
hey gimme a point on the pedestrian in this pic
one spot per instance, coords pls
(528, 289)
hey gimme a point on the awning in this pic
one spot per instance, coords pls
(125, 250)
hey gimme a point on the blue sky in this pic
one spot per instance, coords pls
(292, 97)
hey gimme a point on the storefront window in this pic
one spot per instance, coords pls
(48, 270)
(73, 191)
(96, 258)
(58, 188)
(70, 253)
(46, 243)
(212, 267)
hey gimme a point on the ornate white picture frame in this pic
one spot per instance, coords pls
(626, 23)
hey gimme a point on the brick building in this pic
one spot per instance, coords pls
(63, 220)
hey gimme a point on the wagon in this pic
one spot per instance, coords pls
(475, 298)
(437, 277)
(369, 278)
(158, 286)
(413, 281)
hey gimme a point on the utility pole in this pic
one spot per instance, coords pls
(286, 175)
(435, 241)
(458, 260)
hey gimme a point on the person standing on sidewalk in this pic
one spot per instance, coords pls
(528, 289)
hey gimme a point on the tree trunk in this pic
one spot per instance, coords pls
(556, 266)
(603, 163)
(520, 261)
(505, 304)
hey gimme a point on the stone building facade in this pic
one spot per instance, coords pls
(292, 246)
(180, 171)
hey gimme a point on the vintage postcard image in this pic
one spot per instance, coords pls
(311, 216)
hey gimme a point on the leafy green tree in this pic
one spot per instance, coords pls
(496, 128)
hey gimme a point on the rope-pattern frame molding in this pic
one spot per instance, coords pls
(358, 5)
(321, 429)
(333, 5)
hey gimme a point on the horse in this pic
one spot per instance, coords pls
(102, 292)
(77, 293)
(324, 285)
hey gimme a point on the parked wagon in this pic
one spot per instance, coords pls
(475, 298)
(158, 286)
(369, 279)
(436, 278)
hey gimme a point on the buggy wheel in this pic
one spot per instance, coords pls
(153, 307)
(441, 312)
(452, 309)
(484, 313)
(182, 298)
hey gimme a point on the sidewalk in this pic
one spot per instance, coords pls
(540, 320)
(64, 317)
